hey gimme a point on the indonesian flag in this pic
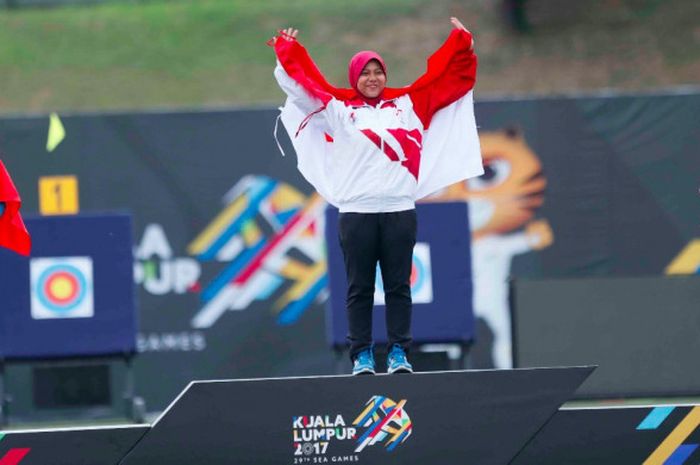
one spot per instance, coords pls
(13, 233)
(442, 99)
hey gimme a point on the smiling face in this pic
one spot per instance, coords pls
(372, 80)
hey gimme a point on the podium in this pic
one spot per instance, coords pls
(480, 417)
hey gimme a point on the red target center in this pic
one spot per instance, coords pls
(414, 274)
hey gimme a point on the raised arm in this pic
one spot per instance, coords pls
(298, 65)
(450, 75)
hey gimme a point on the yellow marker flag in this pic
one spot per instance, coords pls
(56, 133)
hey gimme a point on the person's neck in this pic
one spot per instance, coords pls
(372, 101)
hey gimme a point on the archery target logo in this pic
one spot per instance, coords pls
(421, 278)
(62, 287)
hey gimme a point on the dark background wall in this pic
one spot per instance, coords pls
(641, 331)
(621, 199)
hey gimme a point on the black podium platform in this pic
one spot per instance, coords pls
(436, 419)
(467, 417)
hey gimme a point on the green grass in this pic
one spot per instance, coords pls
(124, 55)
(189, 53)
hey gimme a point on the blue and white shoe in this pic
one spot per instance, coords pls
(397, 362)
(364, 363)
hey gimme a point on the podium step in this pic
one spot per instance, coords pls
(649, 435)
(69, 446)
(480, 417)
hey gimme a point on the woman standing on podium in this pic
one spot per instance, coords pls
(372, 151)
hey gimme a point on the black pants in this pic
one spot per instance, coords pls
(387, 238)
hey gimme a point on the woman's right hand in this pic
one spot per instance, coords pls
(289, 34)
(458, 25)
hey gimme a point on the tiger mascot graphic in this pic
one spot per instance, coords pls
(502, 205)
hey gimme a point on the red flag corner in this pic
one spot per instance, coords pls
(13, 233)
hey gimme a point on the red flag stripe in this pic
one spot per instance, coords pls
(13, 233)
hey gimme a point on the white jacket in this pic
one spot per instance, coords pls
(369, 159)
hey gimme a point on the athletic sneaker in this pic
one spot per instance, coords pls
(396, 362)
(364, 363)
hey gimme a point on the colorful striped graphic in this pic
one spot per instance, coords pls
(383, 419)
(681, 454)
(672, 451)
(14, 456)
(688, 261)
(264, 220)
(655, 418)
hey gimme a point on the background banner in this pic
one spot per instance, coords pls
(229, 254)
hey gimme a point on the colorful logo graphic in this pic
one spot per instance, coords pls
(267, 236)
(674, 449)
(61, 287)
(322, 438)
(421, 278)
(385, 420)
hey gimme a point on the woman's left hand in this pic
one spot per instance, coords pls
(288, 34)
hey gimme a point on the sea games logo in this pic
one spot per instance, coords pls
(382, 421)
(386, 421)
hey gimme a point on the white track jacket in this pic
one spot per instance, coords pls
(367, 159)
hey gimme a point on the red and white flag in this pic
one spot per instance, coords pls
(442, 98)
(13, 233)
